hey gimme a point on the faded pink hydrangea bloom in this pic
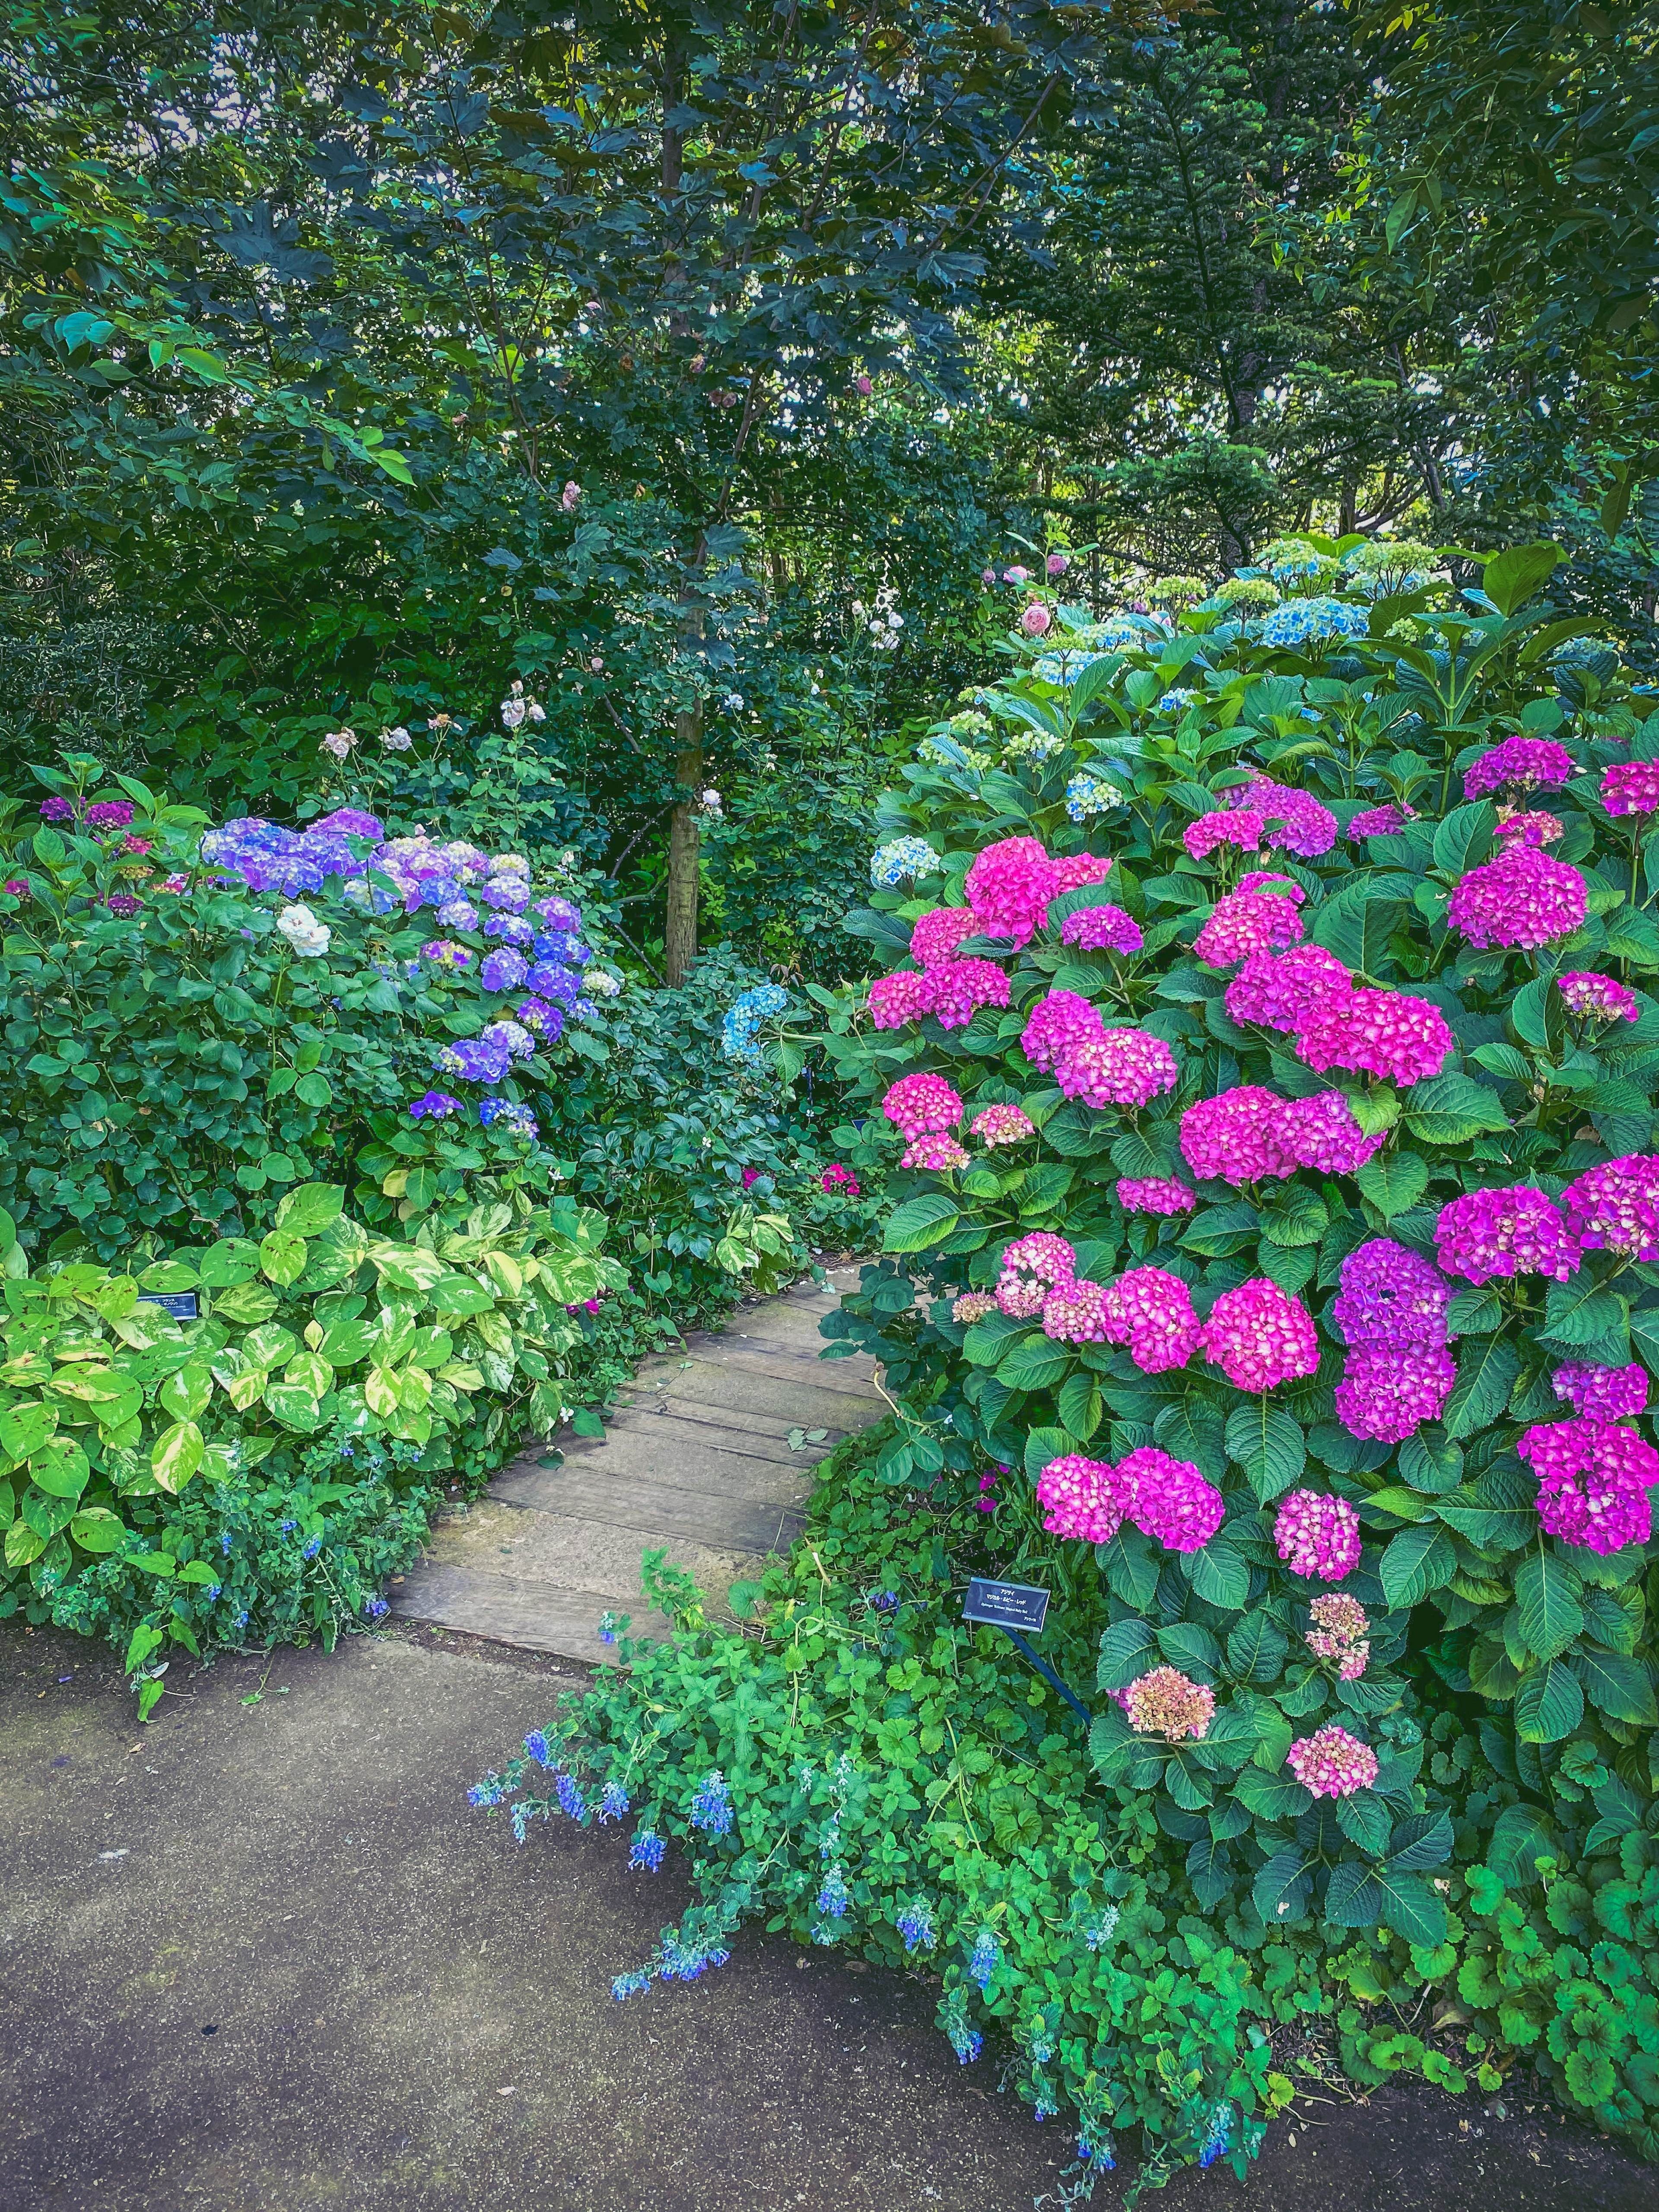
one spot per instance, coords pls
(1152, 1312)
(1522, 898)
(1317, 1534)
(1238, 1137)
(939, 1155)
(1598, 998)
(1281, 990)
(1340, 1633)
(1488, 1235)
(1614, 1206)
(1160, 1194)
(1331, 1763)
(1170, 1704)
(922, 1105)
(1081, 1498)
(1246, 922)
(1260, 1336)
(971, 1306)
(1002, 1125)
(1601, 1394)
(1168, 1499)
(1321, 1133)
(1074, 1312)
(1031, 1266)
(938, 934)
(1388, 1394)
(1520, 764)
(1388, 1034)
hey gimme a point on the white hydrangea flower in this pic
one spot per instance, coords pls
(308, 937)
(602, 983)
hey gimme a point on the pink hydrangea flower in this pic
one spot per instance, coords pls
(1601, 1394)
(1488, 1234)
(1531, 831)
(1281, 990)
(1116, 1067)
(1262, 879)
(1259, 1336)
(1081, 1498)
(1102, 929)
(1238, 1137)
(1597, 997)
(1522, 898)
(953, 991)
(1631, 788)
(1614, 1206)
(1072, 870)
(1388, 1395)
(1520, 764)
(1054, 1025)
(1317, 1534)
(1341, 1634)
(1002, 1125)
(1593, 1480)
(1321, 1133)
(1152, 1312)
(938, 933)
(1011, 883)
(1168, 1499)
(1242, 828)
(939, 1155)
(1074, 1312)
(1331, 1763)
(1295, 820)
(897, 999)
(1387, 1034)
(1390, 1297)
(922, 1105)
(1244, 923)
(1031, 1266)
(1160, 1194)
(1170, 1704)
(1385, 821)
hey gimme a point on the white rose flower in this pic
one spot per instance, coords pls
(308, 937)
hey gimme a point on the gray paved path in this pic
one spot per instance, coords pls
(696, 1459)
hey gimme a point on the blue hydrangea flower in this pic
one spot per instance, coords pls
(503, 970)
(648, 1853)
(900, 860)
(484, 1058)
(744, 1017)
(518, 1119)
(711, 1807)
(1087, 795)
(1314, 621)
(1173, 702)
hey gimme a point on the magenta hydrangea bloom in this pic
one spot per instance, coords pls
(1152, 1312)
(1597, 997)
(938, 934)
(1102, 929)
(1168, 1499)
(1601, 1394)
(953, 991)
(1631, 788)
(1238, 1137)
(1387, 1394)
(1054, 1025)
(1011, 883)
(1242, 828)
(1295, 822)
(1385, 821)
(1490, 1234)
(1072, 871)
(1002, 1125)
(1593, 1480)
(1520, 764)
(1321, 1133)
(1160, 1194)
(1116, 1067)
(1387, 1034)
(1331, 1763)
(1260, 1336)
(1390, 1297)
(1074, 1312)
(1261, 879)
(1614, 1206)
(1522, 898)
(921, 1105)
(1081, 1498)
(1031, 1266)
(897, 999)
(1281, 990)
(1317, 1534)
(939, 1155)
(1532, 830)
(1246, 922)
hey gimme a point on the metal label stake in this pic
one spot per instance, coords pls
(1014, 1608)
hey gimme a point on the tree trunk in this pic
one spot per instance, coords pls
(685, 841)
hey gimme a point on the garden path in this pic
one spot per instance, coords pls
(696, 1459)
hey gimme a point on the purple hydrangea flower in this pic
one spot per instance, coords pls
(503, 971)
(434, 1105)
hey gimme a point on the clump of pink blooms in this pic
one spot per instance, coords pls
(922, 1105)
(1387, 1395)
(1601, 1394)
(1318, 1535)
(1390, 1297)
(1280, 990)
(1102, 929)
(1261, 879)
(1322, 1133)
(971, 1306)
(1081, 1498)
(1074, 1312)
(1238, 1136)
(897, 999)
(1243, 828)
(1522, 898)
(1488, 1234)
(1331, 1763)
(1385, 821)
(1053, 1025)
(1614, 1206)
(1593, 1478)
(1597, 997)
(1246, 922)
(1531, 830)
(1632, 787)
(1031, 1266)
(953, 991)
(1160, 1194)
(1002, 1125)
(1169, 1704)
(837, 1177)
(1260, 1336)
(1011, 883)
(1520, 764)
(940, 1155)
(1387, 1034)
(1116, 1067)
(1340, 1633)
(1167, 1499)
(1295, 820)
(1152, 1312)
(938, 933)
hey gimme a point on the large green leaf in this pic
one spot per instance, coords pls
(283, 1256)
(1394, 1182)
(1418, 1560)
(1547, 1593)
(176, 1455)
(1620, 1689)
(1510, 578)
(1549, 1704)
(1194, 1431)
(1256, 1647)
(24, 1428)
(988, 1340)
(1279, 1891)
(1268, 1445)
(920, 1222)
(1219, 1573)
(59, 1467)
(1357, 920)
(310, 1206)
(1449, 1109)
(1487, 1368)
(1360, 1896)
(1580, 1316)
(1126, 1654)
(1034, 1364)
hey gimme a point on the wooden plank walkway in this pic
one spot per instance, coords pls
(696, 1460)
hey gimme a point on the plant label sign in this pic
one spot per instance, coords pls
(1006, 1605)
(181, 1304)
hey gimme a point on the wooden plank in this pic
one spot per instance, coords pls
(725, 1523)
(626, 1458)
(537, 1615)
